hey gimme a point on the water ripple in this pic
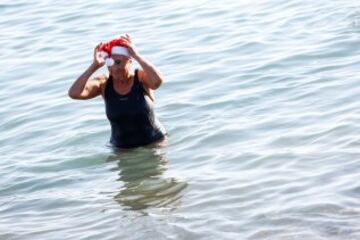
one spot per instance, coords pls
(260, 101)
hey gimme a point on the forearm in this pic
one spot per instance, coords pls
(154, 76)
(79, 85)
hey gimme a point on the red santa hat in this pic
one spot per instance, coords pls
(115, 46)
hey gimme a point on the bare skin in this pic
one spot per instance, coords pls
(123, 76)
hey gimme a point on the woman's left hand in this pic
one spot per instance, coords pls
(131, 47)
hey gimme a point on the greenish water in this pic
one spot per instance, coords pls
(261, 102)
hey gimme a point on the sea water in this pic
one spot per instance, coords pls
(261, 101)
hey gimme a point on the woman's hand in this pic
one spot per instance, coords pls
(151, 76)
(98, 60)
(131, 47)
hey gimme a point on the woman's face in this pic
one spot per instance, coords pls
(121, 64)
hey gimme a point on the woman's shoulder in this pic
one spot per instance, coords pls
(102, 78)
(140, 74)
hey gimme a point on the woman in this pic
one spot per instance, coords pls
(128, 94)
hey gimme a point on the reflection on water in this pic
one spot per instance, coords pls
(142, 172)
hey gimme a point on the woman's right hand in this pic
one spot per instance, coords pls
(98, 60)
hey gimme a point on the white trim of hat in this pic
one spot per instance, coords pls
(120, 51)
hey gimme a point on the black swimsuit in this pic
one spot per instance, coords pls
(132, 119)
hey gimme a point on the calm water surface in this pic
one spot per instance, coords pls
(261, 103)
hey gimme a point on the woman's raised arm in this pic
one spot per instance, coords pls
(84, 89)
(150, 75)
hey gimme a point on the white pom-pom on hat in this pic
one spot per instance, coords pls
(109, 62)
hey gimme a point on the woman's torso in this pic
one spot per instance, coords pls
(131, 116)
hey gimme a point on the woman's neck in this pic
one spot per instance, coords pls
(123, 78)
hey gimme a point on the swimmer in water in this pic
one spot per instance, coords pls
(128, 94)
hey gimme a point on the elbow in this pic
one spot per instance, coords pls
(157, 84)
(73, 95)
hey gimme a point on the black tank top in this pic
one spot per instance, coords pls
(132, 119)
